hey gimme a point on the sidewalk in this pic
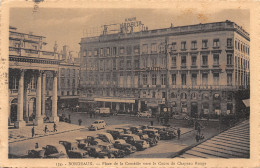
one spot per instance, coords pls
(25, 133)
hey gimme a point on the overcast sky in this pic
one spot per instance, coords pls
(66, 26)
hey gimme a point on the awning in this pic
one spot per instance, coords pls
(115, 100)
(246, 102)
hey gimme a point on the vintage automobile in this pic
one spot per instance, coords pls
(115, 132)
(152, 133)
(93, 140)
(144, 114)
(151, 141)
(55, 151)
(142, 127)
(165, 132)
(106, 137)
(109, 148)
(82, 142)
(97, 152)
(136, 129)
(73, 151)
(126, 130)
(135, 141)
(98, 124)
(121, 144)
(181, 116)
(35, 153)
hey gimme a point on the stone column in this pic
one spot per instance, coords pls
(38, 119)
(132, 107)
(54, 116)
(139, 105)
(20, 122)
(43, 93)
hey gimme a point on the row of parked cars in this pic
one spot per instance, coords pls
(113, 143)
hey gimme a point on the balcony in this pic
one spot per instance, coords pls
(204, 66)
(194, 66)
(13, 91)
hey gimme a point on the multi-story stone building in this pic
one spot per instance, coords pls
(34, 78)
(195, 69)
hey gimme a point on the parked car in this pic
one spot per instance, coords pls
(136, 129)
(55, 151)
(144, 114)
(36, 153)
(151, 141)
(181, 116)
(106, 137)
(135, 141)
(142, 127)
(121, 144)
(164, 132)
(98, 124)
(152, 133)
(115, 132)
(93, 140)
(126, 130)
(109, 148)
(82, 142)
(73, 151)
(97, 152)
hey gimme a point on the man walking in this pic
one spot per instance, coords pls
(33, 131)
(45, 129)
(179, 133)
(54, 127)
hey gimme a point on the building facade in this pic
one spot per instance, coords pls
(34, 79)
(195, 69)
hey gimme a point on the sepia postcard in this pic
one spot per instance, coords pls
(129, 83)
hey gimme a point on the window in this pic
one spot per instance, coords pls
(154, 79)
(236, 44)
(216, 59)
(114, 64)
(144, 62)
(136, 64)
(229, 59)
(183, 61)
(174, 47)
(101, 77)
(108, 51)
(128, 64)
(173, 95)
(194, 79)
(101, 52)
(216, 43)
(204, 79)
(89, 53)
(101, 65)
(137, 49)
(194, 45)
(145, 48)
(205, 60)
(121, 64)
(216, 78)
(183, 96)
(163, 94)
(204, 43)
(68, 83)
(154, 93)
(163, 79)
(229, 79)
(173, 61)
(173, 79)
(122, 50)
(73, 83)
(194, 60)
(153, 60)
(183, 45)
(183, 79)
(229, 42)
(154, 47)
(144, 79)
(114, 51)
(96, 52)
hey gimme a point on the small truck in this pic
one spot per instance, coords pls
(103, 111)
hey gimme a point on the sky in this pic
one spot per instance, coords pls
(66, 26)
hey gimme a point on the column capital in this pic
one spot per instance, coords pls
(55, 73)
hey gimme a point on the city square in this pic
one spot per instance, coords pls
(174, 91)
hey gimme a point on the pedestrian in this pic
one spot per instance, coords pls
(198, 128)
(151, 123)
(45, 129)
(33, 131)
(90, 114)
(197, 137)
(158, 118)
(36, 145)
(202, 136)
(80, 121)
(54, 127)
(179, 133)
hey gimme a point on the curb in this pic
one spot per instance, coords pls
(45, 135)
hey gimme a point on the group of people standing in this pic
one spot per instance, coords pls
(45, 129)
